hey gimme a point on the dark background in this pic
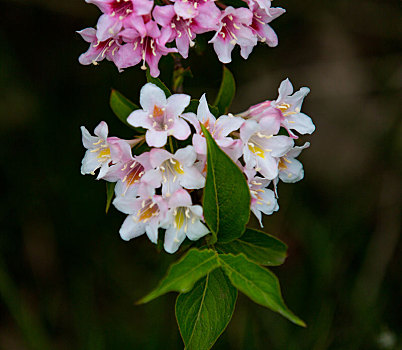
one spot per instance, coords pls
(67, 280)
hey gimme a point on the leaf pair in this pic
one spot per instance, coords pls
(213, 279)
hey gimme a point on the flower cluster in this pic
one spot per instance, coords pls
(133, 31)
(158, 188)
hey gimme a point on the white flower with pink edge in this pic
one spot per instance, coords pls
(160, 115)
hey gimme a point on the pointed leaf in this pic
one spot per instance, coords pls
(183, 274)
(226, 195)
(158, 83)
(226, 91)
(258, 283)
(204, 313)
(109, 194)
(257, 246)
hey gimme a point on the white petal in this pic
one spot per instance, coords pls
(268, 167)
(192, 179)
(294, 171)
(90, 163)
(140, 118)
(156, 138)
(151, 230)
(173, 239)
(151, 96)
(300, 122)
(87, 139)
(285, 90)
(102, 130)
(131, 229)
(180, 198)
(176, 104)
(203, 113)
(196, 230)
(186, 156)
(158, 156)
(226, 124)
(180, 129)
(125, 204)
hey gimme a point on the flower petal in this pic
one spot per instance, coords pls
(151, 96)
(156, 138)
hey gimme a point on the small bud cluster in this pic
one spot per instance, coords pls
(158, 188)
(133, 31)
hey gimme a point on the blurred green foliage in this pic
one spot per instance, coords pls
(67, 281)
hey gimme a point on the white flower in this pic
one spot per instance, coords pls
(262, 199)
(160, 115)
(183, 219)
(102, 151)
(145, 216)
(290, 169)
(290, 108)
(219, 128)
(261, 149)
(174, 171)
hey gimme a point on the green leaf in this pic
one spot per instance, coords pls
(204, 313)
(158, 83)
(257, 246)
(226, 195)
(183, 274)
(258, 283)
(226, 92)
(109, 194)
(122, 107)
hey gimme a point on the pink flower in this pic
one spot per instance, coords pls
(98, 50)
(234, 29)
(102, 151)
(184, 30)
(174, 171)
(148, 48)
(160, 115)
(260, 24)
(219, 128)
(118, 14)
(145, 215)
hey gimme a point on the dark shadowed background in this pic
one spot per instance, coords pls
(67, 280)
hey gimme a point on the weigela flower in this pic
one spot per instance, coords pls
(102, 151)
(261, 149)
(182, 220)
(174, 171)
(160, 115)
(118, 14)
(219, 128)
(183, 29)
(260, 26)
(262, 199)
(148, 48)
(290, 169)
(285, 111)
(234, 29)
(145, 215)
(98, 50)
